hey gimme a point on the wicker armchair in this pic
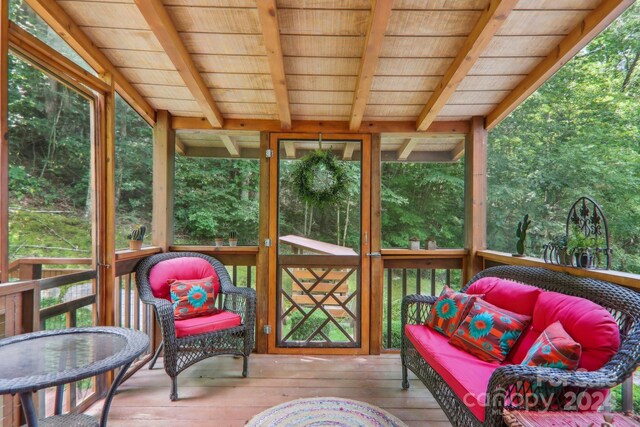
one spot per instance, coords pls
(510, 380)
(180, 353)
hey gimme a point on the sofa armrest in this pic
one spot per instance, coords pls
(541, 388)
(415, 309)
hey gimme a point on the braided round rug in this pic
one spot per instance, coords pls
(325, 411)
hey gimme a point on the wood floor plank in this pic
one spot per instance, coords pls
(213, 393)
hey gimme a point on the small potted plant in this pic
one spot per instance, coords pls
(414, 243)
(136, 237)
(583, 247)
(559, 245)
(233, 238)
(219, 239)
(431, 243)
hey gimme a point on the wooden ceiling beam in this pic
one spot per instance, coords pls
(487, 26)
(458, 151)
(310, 126)
(380, 13)
(347, 153)
(180, 147)
(61, 22)
(268, 14)
(406, 148)
(165, 31)
(578, 38)
(232, 146)
(290, 149)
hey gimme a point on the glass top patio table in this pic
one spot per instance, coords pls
(38, 360)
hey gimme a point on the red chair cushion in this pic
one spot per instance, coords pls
(182, 268)
(193, 298)
(554, 348)
(489, 332)
(588, 323)
(449, 310)
(467, 375)
(202, 324)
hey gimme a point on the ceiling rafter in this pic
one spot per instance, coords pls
(406, 148)
(458, 151)
(290, 149)
(347, 152)
(63, 25)
(165, 31)
(380, 13)
(181, 148)
(487, 26)
(268, 14)
(231, 145)
(578, 38)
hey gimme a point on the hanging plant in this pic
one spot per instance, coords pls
(319, 178)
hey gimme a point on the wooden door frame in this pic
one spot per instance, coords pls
(365, 238)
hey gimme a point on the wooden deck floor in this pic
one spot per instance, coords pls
(212, 392)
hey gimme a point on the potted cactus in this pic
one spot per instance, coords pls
(233, 238)
(136, 237)
(521, 234)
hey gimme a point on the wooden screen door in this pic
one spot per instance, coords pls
(319, 269)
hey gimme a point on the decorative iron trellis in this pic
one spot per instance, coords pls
(586, 241)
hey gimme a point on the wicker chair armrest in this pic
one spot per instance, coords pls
(241, 301)
(415, 309)
(164, 312)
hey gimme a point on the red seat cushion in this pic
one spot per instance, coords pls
(467, 375)
(182, 268)
(202, 324)
(512, 296)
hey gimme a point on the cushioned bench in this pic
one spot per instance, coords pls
(603, 318)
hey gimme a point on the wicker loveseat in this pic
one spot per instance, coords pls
(229, 331)
(566, 390)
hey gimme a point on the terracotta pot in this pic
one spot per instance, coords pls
(233, 242)
(135, 245)
(219, 242)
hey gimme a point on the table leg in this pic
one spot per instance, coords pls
(111, 393)
(26, 399)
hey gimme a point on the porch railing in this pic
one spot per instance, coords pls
(629, 280)
(408, 272)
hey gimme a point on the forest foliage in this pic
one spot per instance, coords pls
(579, 134)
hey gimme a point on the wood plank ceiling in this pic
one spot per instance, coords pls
(342, 60)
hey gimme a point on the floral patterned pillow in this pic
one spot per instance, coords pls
(449, 310)
(193, 298)
(489, 332)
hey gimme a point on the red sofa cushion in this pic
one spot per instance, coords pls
(183, 268)
(192, 298)
(489, 332)
(467, 375)
(513, 296)
(449, 310)
(588, 323)
(202, 324)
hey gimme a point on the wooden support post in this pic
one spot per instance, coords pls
(163, 175)
(104, 230)
(4, 141)
(475, 200)
(377, 267)
(262, 267)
